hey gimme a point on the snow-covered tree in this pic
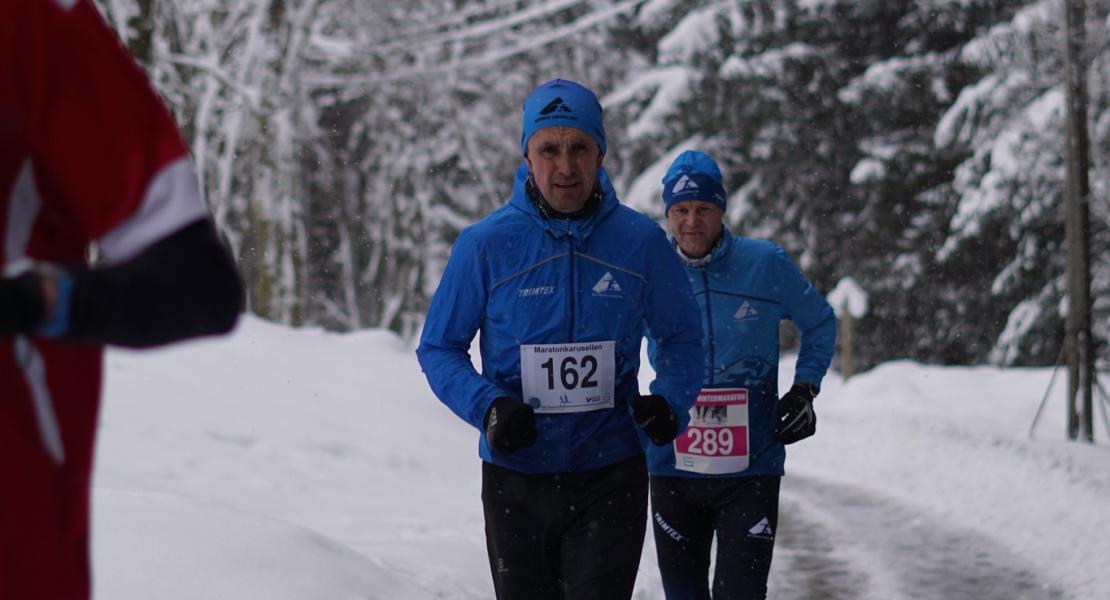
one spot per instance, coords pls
(915, 146)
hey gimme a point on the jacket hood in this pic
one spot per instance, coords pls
(578, 229)
(722, 249)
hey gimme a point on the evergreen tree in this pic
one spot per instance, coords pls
(913, 145)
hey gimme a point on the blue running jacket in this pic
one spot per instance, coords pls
(521, 279)
(743, 291)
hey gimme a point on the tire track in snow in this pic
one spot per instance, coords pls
(836, 542)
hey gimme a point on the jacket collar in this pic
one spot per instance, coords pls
(577, 229)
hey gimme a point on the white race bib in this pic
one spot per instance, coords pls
(567, 378)
(716, 442)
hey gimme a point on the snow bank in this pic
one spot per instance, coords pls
(279, 463)
(151, 545)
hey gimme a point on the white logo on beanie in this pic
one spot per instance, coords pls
(684, 184)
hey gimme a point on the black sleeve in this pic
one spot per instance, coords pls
(183, 286)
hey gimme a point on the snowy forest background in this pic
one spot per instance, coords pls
(916, 146)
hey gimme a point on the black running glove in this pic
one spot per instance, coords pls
(510, 425)
(655, 417)
(797, 421)
(22, 307)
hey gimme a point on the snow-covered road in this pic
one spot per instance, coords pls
(299, 465)
(837, 542)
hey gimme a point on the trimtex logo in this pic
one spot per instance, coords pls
(556, 105)
(762, 530)
(746, 312)
(608, 286)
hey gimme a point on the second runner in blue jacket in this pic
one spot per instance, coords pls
(720, 478)
(744, 288)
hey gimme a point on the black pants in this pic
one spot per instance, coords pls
(744, 514)
(571, 535)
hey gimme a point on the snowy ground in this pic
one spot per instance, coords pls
(278, 464)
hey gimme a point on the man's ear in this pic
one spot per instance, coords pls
(600, 157)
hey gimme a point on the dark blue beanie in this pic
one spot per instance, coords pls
(693, 176)
(562, 103)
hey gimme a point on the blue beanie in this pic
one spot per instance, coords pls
(693, 176)
(562, 103)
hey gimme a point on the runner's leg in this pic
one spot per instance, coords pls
(683, 527)
(604, 537)
(747, 520)
(521, 512)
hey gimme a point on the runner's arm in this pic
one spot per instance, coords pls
(181, 287)
(813, 316)
(454, 318)
(673, 322)
(104, 162)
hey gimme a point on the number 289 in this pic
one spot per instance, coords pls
(710, 442)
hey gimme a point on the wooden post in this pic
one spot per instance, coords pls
(849, 301)
(846, 320)
(1078, 342)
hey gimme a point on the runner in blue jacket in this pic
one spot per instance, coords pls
(722, 474)
(561, 282)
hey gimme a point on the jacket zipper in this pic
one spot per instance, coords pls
(709, 326)
(571, 294)
(570, 290)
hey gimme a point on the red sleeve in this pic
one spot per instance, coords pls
(98, 133)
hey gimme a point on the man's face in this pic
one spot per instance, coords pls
(564, 162)
(696, 225)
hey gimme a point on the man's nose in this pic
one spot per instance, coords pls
(563, 163)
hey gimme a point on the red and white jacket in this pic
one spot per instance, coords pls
(89, 154)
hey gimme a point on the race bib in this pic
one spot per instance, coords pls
(568, 378)
(716, 442)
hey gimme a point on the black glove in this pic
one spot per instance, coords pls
(22, 307)
(797, 421)
(510, 425)
(655, 417)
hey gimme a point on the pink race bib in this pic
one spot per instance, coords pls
(716, 442)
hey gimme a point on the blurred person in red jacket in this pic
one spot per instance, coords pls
(89, 156)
